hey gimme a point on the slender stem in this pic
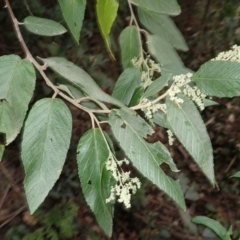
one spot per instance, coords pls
(40, 68)
(133, 19)
(92, 119)
(27, 6)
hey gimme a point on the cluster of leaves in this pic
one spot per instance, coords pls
(47, 129)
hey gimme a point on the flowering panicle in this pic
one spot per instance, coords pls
(180, 85)
(149, 67)
(152, 107)
(170, 137)
(232, 55)
(125, 185)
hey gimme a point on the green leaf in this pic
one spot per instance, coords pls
(46, 139)
(126, 84)
(160, 119)
(219, 78)
(80, 79)
(169, 7)
(236, 175)
(73, 13)
(212, 224)
(208, 102)
(130, 130)
(1, 152)
(130, 45)
(163, 26)
(17, 82)
(138, 93)
(76, 93)
(106, 14)
(186, 123)
(92, 154)
(43, 26)
(175, 69)
(65, 89)
(157, 85)
(163, 51)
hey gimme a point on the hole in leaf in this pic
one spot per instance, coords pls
(165, 167)
(89, 182)
(123, 125)
(3, 138)
(78, 152)
(75, 24)
(51, 139)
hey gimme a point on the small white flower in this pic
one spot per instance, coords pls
(125, 185)
(152, 107)
(232, 55)
(170, 137)
(149, 67)
(180, 85)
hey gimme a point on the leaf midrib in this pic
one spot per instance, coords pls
(148, 150)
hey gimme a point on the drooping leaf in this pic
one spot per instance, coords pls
(76, 93)
(46, 139)
(106, 14)
(92, 154)
(157, 85)
(130, 45)
(17, 82)
(43, 26)
(80, 79)
(186, 123)
(126, 84)
(163, 26)
(1, 152)
(219, 78)
(236, 175)
(138, 93)
(169, 7)
(73, 13)
(130, 130)
(65, 89)
(212, 224)
(163, 51)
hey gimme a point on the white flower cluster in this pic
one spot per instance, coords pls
(137, 62)
(152, 108)
(125, 185)
(170, 137)
(180, 85)
(195, 94)
(232, 55)
(149, 67)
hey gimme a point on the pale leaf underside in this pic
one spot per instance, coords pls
(46, 139)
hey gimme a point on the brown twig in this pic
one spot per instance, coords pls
(230, 164)
(4, 196)
(13, 215)
(10, 179)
